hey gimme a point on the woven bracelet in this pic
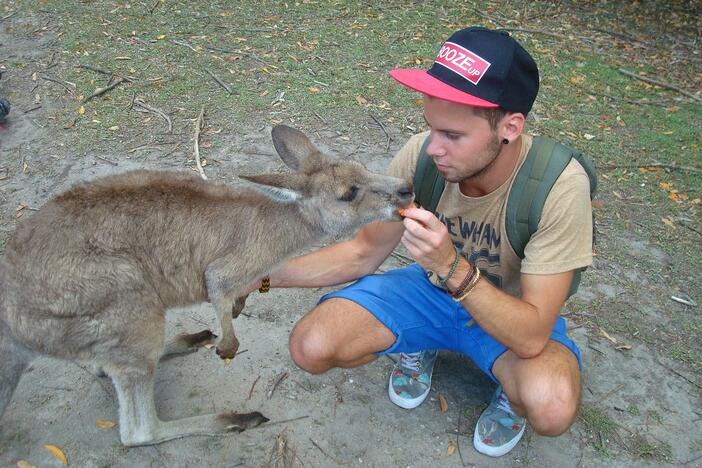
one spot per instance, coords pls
(443, 281)
(469, 277)
(265, 284)
(469, 288)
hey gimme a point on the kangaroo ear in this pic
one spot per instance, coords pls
(281, 187)
(293, 146)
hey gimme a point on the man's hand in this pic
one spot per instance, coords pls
(428, 241)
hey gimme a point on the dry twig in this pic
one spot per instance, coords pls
(608, 394)
(288, 420)
(252, 387)
(677, 373)
(139, 102)
(335, 460)
(219, 82)
(101, 91)
(65, 84)
(282, 376)
(198, 128)
(659, 83)
(661, 165)
(95, 69)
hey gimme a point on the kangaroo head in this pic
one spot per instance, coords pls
(335, 195)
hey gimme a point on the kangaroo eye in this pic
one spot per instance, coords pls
(350, 194)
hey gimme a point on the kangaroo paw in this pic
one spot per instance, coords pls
(228, 352)
(239, 422)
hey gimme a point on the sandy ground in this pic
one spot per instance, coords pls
(340, 418)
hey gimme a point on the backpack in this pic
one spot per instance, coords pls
(544, 163)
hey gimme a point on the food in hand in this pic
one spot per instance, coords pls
(401, 211)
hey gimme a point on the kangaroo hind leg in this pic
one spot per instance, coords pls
(139, 424)
(13, 361)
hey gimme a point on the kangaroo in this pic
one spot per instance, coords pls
(90, 275)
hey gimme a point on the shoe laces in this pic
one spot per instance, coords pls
(412, 361)
(503, 404)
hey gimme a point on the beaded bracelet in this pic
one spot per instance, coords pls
(443, 280)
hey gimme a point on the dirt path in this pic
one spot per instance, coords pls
(640, 407)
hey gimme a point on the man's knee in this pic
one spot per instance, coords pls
(309, 349)
(552, 405)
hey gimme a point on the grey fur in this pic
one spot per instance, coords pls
(90, 276)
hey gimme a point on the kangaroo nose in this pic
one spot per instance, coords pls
(406, 192)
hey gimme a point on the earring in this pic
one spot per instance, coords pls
(505, 141)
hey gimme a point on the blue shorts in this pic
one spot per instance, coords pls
(423, 316)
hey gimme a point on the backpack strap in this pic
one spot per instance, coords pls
(544, 163)
(428, 183)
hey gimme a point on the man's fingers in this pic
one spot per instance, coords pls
(420, 215)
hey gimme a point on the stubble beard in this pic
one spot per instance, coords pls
(493, 148)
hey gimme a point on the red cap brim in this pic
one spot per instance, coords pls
(420, 80)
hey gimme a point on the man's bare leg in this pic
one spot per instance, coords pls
(545, 389)
(337, 333)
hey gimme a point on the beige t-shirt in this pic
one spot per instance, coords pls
(562, 242)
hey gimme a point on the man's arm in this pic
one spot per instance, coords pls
(342, 262)
(523, 325)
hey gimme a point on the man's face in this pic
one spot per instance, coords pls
(462, 144)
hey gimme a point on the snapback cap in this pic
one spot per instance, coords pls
(478, 67)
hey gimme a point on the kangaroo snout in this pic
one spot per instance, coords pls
(406, 193)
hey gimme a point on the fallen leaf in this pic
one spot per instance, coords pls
(443, 403)
(24, 464)
(587, 136)
(58, 453)
(227, 361)
(664, 185)
(105, 424)
(617, 194)
(314, 89)
(161, 36)
(81, 111)
(623, 347)
(668, 222)
(597, 204)
(114, 127)
(361, 100)
(451, 447)
(19, 211)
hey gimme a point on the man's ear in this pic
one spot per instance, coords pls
(511, 126)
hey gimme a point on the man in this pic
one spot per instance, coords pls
(500, 310)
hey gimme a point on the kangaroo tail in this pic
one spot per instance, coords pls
(14, 359)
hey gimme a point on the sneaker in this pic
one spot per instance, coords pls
(499, 428)
(410, 380)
